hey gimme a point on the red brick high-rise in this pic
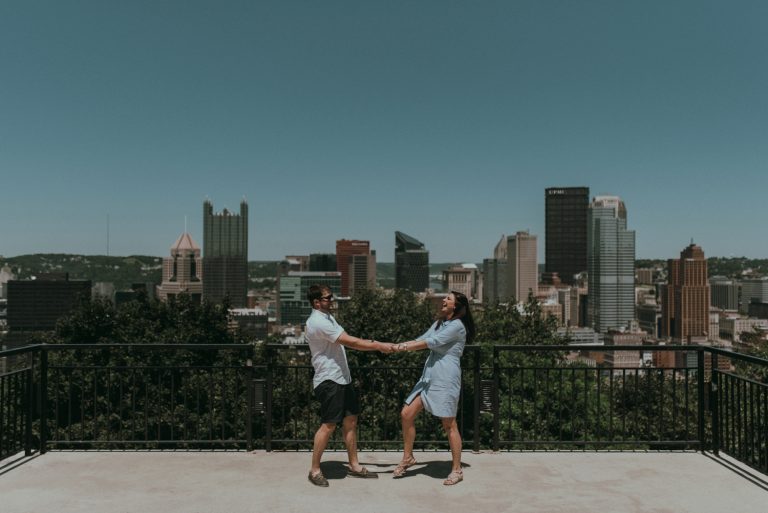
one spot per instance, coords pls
(345, 250)
(685, 298)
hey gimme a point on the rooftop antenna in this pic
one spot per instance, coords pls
(185, 224)
(107, 234)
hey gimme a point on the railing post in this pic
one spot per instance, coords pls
(268, 406)
(30, 413)
(478, 393)
(43, 398)
(714, 405)
(700, 382)
(249, 416)
(496, 422)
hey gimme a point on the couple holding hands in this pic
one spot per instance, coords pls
(437, 391)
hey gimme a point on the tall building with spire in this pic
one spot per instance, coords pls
(610, 265)
(565, 235)
(685, 298)
(522, 266)
(411, 263)
(182, 271)
(225, 255)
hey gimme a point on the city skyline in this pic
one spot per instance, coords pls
(353, 120)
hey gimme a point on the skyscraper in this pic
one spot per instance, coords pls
(495, 274)
(182, 270)
(345, 249)
(362, 272)
(753, 290)
(411, 263)
(610, 265)
(685, 297)
(225, 255)
(565, 236)
(724, 292)
(522, 266)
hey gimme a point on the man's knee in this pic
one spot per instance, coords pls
(328, 427)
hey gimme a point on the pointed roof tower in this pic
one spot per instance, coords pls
(185, 243)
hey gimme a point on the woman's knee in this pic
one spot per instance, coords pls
(449, 424)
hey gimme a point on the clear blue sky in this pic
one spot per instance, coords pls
(442, 119)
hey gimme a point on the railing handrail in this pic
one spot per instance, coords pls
(20, 350)
(601, 347)
(148, 347)
(527, 347)
(736, 355)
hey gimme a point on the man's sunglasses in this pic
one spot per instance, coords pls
(329, 297)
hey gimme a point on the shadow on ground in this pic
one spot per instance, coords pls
(437, 469)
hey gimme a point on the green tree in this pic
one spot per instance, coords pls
(383, 315)
(755, 345)
(154, 395)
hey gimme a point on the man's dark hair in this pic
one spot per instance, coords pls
(316, 292)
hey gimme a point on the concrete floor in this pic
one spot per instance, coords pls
(233, 482)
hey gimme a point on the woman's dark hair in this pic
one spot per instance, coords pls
(462, 311)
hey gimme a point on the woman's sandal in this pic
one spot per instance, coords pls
(454, 477)
(403, 466)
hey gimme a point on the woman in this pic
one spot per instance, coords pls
(439, 387)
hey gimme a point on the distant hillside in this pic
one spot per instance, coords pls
(122, 271)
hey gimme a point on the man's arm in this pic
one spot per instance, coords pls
(363, 344)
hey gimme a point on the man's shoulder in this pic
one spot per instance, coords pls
(318, 319)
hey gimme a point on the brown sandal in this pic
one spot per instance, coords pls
(454, 477)
(401, 467)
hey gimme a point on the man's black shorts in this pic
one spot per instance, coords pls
(336, 401)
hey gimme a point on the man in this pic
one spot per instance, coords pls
(332, 382)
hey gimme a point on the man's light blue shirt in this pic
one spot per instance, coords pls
(328, 356)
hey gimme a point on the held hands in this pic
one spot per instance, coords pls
(389, 348)
(402, 347)
(385, 347)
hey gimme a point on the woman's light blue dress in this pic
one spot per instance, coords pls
(440, 383)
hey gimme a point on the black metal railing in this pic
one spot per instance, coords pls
(193, 396)
(16, 404)
(562, 403)
(739, 405)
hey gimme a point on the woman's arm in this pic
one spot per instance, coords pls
(412, 345)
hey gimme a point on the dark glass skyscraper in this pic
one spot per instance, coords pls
(565, 235)
(411, 263)
(225, 255)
